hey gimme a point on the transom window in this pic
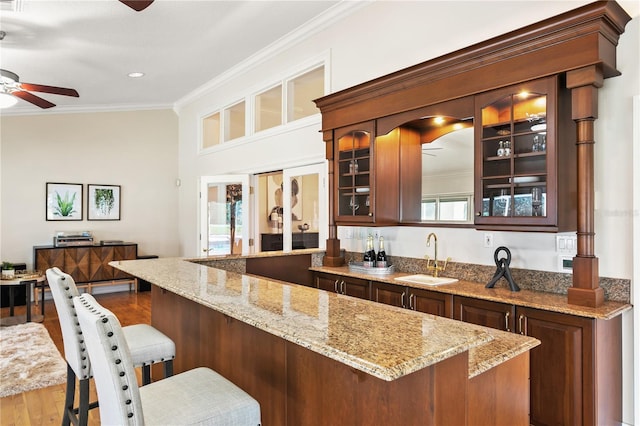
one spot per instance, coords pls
(286, 102)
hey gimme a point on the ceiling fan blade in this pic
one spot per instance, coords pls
(137, 5)
(49, 89)
(36, 100)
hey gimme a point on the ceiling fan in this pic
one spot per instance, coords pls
(137, 5)
(10, 85)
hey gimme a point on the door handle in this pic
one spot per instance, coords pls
(335, 286)
(411, 305)
(506, 321)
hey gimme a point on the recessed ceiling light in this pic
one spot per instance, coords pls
(136, 74)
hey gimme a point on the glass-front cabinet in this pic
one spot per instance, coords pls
(354, 173)
(519, 156)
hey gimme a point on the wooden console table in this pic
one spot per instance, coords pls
(88, 264)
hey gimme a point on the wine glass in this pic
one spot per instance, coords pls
(353, 204)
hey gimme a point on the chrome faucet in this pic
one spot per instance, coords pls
(432, 264)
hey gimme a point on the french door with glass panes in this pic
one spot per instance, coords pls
(299, 220)
(224, 215)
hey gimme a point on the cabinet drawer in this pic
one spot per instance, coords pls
(483, 312)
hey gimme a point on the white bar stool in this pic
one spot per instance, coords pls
(148, 346)
(198, 396)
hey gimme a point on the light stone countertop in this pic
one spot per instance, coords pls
(500, 293)
(384, 341)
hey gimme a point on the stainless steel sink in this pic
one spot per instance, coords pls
(426, 279)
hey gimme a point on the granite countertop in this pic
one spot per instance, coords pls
(384, 341)
(527, 298)
(275, 253)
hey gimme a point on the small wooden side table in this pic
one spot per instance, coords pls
(29, 281)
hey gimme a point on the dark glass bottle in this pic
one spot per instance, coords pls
(369, 258)
(381, 259)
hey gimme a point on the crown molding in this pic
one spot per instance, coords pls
(317, 24)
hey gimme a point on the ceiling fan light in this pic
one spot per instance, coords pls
(7, 100)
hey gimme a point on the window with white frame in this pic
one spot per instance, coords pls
(234, 121)
(294, 95)
(211, 130)
(447, 208)
(301, 91)
(268, 109)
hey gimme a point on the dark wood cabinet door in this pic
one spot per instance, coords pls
(431, 302)
(355, 287)
(327, 282)
(557, 365)
(524, 177)
(389, 294)
(483, 312)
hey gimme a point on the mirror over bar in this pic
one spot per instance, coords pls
(579, 45)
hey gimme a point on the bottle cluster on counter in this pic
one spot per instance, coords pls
(370, 258)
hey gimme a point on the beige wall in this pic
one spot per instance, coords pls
(135, 149)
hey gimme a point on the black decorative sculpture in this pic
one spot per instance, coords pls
(503, 270)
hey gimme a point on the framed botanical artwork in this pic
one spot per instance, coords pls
(64, 201)
(103, 202)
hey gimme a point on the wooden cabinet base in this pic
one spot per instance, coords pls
(296, 386)
(497, 396)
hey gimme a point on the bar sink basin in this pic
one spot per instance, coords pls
(426, 279)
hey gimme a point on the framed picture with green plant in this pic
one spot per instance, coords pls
(103, 202)
(64, 201)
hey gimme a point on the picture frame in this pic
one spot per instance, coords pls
(63, 201)
(103, 202)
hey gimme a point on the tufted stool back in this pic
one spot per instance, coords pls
(114, 374)
(63, 287)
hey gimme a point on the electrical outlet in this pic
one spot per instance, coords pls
(488, 240)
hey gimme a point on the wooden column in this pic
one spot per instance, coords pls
(332, 255)
(584, 84)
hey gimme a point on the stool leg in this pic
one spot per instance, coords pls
(168, 368)
(68, 399)
(146, 374)
(83, 409)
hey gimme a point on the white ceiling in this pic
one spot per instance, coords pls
(91, 46)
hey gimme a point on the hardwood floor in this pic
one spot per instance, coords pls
(44, 406)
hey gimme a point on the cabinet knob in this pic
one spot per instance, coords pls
(478, 214)
(370, 214)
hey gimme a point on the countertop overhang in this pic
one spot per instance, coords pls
(384, 341)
